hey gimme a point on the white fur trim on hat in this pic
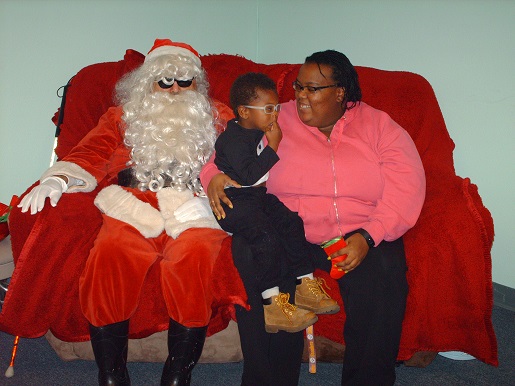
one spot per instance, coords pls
(173, 50)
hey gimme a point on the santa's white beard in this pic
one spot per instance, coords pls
(171, 136)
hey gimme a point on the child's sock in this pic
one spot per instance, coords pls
(310, 275)
(267, 294)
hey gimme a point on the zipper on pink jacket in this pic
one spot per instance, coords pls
(335, 188)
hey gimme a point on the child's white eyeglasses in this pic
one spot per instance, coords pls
(268, 109)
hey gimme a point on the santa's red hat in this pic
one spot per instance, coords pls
(167, 47)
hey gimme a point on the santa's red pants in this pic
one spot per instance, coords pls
(110, 286)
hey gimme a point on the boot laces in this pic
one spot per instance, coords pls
(283, 302)
(316, 286)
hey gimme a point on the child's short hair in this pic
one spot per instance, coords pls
(244, 89)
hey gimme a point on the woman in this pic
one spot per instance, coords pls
(348, 170)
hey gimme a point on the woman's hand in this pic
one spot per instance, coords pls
(216, 193)
(356, 250)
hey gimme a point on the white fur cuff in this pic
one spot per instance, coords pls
(169, 200)
(124, 206)
(70, 169)
(175, 228)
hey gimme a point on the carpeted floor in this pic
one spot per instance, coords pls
(38, 365)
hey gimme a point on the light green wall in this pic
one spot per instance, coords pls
(464, 48)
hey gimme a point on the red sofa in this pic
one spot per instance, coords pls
(448, 251)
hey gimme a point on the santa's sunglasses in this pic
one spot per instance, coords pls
(166, 83)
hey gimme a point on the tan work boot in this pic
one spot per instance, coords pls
(282, 315)
(310, 295)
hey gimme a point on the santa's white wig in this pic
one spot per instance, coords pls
(171, 136)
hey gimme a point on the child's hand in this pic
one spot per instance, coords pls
(274, 135)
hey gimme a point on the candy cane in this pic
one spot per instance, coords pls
(10, 370)
(311, 350)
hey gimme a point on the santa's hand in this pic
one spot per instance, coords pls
(197, 207)
(51, 187)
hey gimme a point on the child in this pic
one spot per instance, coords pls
(274, 233)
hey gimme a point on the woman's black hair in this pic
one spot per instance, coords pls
(344, 73)
(244, 89)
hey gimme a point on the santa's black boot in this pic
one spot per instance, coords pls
(110, 344)
(185, 345)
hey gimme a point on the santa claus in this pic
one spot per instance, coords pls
(150, 149)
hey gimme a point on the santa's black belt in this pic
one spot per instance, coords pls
(127, 178)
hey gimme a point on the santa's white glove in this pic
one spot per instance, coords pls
(197, 207)
(51, 187)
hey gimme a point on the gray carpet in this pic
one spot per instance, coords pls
(38, 365)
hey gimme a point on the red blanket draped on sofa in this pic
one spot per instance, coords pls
(448, 251)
